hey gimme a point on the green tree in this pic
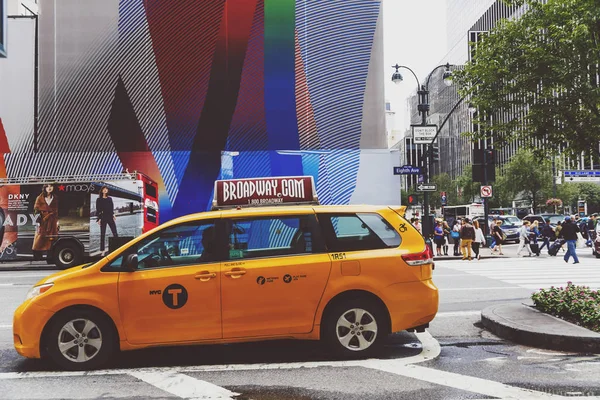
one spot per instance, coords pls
(468, 189)
(525, 174)
(535, 78)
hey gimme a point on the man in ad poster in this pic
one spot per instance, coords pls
(106, 216)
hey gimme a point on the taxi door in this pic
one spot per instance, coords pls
(275, 276)
(174, 294)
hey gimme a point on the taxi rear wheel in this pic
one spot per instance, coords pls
(355, 328)
(80, 339)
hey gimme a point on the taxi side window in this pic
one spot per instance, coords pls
(361, 231)
(271, 237)
(180, 245)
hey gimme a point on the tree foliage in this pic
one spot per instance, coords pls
(528, 176)
(535, 78)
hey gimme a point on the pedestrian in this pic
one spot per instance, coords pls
(534, 232)
(467, 236)
(479, 240)
(569, 233)
(438, 237)
(547, 233)
(524, 238)
(455, 234)
(447, 231)
(557, 232)
(497, 237)
(418, 226)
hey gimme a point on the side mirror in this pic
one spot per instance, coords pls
(130, 262)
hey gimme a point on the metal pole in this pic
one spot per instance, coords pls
(553, 179)
(485, 199)
(426, 225)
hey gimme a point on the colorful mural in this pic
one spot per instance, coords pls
(191, 91)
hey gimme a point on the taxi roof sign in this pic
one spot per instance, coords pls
(253, 192)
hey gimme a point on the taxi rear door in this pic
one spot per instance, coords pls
(275, 275)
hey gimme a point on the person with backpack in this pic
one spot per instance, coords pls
(569, 233)
(467, 236)
(547, 233)
(455, 235)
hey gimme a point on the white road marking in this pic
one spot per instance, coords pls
(461, 382)
(458, 313)
(6, 326)
(184, 386)
(26, 276)
(6, 284)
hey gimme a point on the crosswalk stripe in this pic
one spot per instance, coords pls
(539, 273)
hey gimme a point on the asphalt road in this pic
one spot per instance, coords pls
(457, 359)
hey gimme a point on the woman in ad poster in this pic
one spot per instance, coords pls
(46, 206)
(106, 215)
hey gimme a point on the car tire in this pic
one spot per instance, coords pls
(348, 337)
(67, 254)
(80, 339)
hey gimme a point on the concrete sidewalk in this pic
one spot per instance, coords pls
(525, 325)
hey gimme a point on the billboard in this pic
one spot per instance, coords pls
(259, 78)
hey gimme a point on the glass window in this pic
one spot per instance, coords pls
(184, 244)
(270, 237)
(363, 231)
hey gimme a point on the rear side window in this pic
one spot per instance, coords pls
(361, 231)
(272, 237)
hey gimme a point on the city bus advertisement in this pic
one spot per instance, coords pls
(10, 207)
(116, 210)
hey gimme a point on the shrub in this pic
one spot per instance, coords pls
(577, 304)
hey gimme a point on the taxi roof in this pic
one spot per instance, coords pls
(287, 210)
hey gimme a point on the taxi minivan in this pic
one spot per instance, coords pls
(284, 267)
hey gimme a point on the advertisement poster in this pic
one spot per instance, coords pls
(117, 213)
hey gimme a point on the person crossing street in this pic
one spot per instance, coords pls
(569, 233)
(524, 238)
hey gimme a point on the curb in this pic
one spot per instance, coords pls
(21, 267)
(552, 333)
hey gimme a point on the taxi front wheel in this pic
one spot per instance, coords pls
(355, 328)
(80, 340)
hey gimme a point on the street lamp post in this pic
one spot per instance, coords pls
(423, 108)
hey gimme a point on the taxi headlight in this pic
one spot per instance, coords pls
(37, 290)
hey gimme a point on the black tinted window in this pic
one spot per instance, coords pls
(270, 237)
(363, 231)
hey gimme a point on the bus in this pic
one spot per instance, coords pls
(471, 211)
(54, 218)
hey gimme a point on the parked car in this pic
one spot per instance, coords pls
(513, 220)
(510, 229)
(541, 218)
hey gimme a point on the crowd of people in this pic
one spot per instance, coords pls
(468, 238)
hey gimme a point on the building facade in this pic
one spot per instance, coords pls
(193, 91)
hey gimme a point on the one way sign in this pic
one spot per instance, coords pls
(427, 187)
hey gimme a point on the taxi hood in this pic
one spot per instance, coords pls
(67, 273)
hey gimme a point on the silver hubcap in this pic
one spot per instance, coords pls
(79, 340)
(356, 329)
(65, 256)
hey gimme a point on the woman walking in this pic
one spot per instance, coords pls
(438, 237)
(455, 234)
(479, 240)
(497, 235)
(447, 231)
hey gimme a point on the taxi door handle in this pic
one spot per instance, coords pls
(236, 273)
(205, 276)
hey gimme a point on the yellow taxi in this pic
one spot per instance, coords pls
(282, 268)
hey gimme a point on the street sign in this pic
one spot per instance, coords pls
(486, 191)
(582, 175)
(427, 187)
(407, 170)
(443, 198)
(423, 134)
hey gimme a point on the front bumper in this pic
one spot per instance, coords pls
(28, 323)
(411, 304)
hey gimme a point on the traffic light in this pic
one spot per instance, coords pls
(413, 199)
(435, 154)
